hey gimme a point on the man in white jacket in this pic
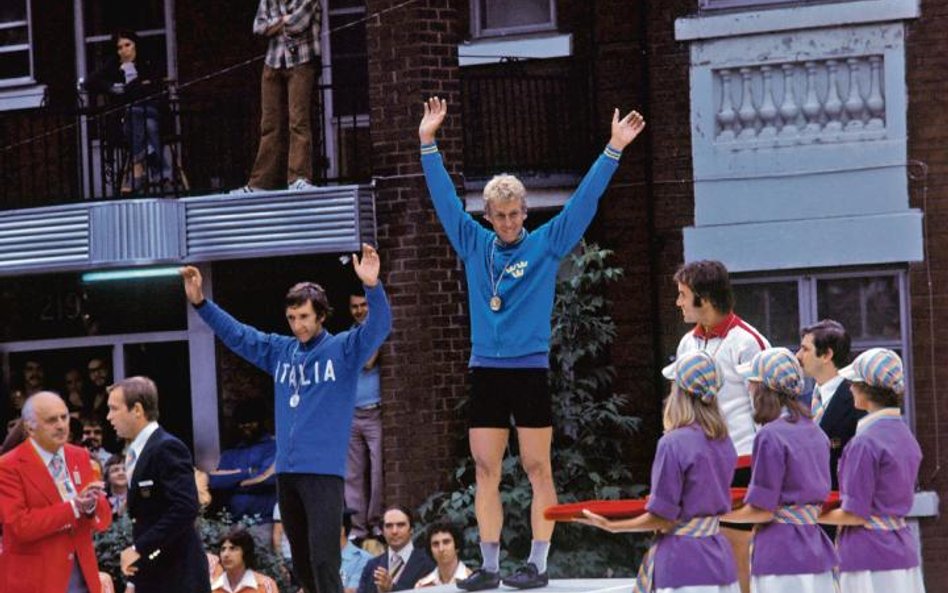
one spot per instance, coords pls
(706, 300)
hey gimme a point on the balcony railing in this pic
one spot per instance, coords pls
(530, 116)
(208, 137)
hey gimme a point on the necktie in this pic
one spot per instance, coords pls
(395, 566)
(130, 458)
(58, 469)
(816, 405)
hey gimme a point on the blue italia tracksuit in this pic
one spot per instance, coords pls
(518, 335)
(313, 437)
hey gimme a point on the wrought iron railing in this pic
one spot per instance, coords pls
(208, 141)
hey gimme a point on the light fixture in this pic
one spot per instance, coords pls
(131, 274)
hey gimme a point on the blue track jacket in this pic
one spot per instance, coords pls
(527, 287)
(313, 437)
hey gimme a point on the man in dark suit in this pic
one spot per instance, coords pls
(401, 565)
(824, 349)
(166, 554)
(51, 503)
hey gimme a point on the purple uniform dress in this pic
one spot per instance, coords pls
(691, 477)
(791, 467)
(877, 474)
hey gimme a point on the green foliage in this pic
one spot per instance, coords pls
(110, 543)
(591, 436)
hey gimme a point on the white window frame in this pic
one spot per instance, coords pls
(22, 92)
(28, 46)
(726, 4)
(478, 32)
(807, 295)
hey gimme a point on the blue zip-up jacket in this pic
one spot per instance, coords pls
(252, 459)
(313, 437)
(527, 287)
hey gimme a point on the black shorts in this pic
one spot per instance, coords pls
(741, 479)
(498, 394)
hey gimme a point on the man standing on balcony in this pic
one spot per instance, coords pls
(286, 90)
(511, 275)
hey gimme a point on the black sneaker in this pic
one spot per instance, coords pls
(480, 580)
(527, 577)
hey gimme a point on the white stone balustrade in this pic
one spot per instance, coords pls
(815, 101)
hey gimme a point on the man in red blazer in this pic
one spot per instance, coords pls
(50, 503)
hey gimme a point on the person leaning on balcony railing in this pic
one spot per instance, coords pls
(511, 274)
(286, 88)
(131, 78)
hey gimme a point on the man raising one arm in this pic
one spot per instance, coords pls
(511, 276)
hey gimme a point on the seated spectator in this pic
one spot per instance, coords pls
(444, 544)
(245, 479)
(92, 435)
(354, 558)
(74, 392)
(402, 565)
(116, 482)
(238, 559)
(34, 377)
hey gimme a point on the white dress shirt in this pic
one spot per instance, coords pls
(826, 390)
(138, 444)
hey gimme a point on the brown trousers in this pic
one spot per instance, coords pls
(284, 90)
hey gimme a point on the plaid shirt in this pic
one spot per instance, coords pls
(298, 42)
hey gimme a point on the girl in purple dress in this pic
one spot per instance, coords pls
(790, 479)
(691, 476)
(877, 474)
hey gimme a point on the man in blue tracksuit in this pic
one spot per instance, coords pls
(511, 277)
(314, 379)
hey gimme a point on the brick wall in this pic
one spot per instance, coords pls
(926, 64)
(413, 54)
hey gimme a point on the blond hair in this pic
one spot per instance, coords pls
(682, 409)
(504, 188)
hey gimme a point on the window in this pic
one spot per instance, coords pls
(871, 304)
(16, 57)
(507, 17)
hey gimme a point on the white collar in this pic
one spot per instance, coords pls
(139, 441)
(248, 581)
(405, 552)
(45, 455)
(829, 388)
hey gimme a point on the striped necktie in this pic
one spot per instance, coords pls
(395, 566)
(816, 405)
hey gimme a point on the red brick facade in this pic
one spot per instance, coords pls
(413, 54)
(926, 66)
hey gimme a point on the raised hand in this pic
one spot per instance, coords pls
(625, 130)
(193, 284)
(435, 111)
(367, 269)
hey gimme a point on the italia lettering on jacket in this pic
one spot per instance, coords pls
(298, 375)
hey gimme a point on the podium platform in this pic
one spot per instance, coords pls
(560, 586)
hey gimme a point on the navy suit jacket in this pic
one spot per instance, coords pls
(839, 423)
(419, 564)
(163, 506)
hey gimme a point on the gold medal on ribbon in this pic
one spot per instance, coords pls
(495, 303)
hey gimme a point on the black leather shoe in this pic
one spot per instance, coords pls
(527, 577)
(480, 580)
